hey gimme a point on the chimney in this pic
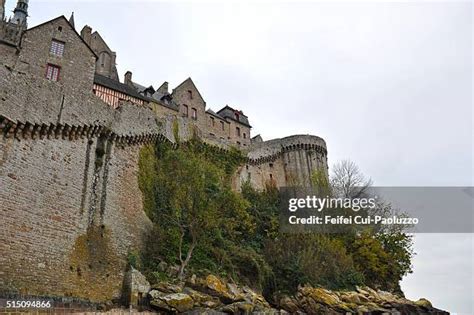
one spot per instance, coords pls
(128, 78)
(86, 34)
(163, 89)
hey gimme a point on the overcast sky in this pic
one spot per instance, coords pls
(387, 85)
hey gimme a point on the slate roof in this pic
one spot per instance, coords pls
(157, 96)
(117, 86)
(212, 113)
(229, 113)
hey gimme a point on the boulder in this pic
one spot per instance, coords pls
(214, 286)
(350, 297)
(320, 295)
(201, 299)
(289, 304)
(254, 298)
(168, 287)
(173, 302)
(424, 303)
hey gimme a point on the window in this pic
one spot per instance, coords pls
(194, 114)
(222, 125)
(238, 143)
(212, 121)
(237, 131)
(185, 110)
(190, 94)
(57, 48)
(52, 72)
(245, 135)
(236, 116)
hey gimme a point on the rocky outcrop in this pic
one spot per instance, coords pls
(208, 295)
(213, 295)
(311, 300)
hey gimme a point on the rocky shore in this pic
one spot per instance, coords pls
(212, 295)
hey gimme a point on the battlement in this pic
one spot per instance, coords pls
(267, 151)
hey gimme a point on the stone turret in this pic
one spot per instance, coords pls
(20, 12)
(12, 29)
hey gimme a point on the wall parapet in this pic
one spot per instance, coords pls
(269, 151)
(26, 130)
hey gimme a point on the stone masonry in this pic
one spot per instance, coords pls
(70, 206)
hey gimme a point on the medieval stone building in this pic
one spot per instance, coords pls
(70, 136)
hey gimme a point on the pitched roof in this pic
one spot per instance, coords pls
(117, 86)
(212, 113)
(191, 81)
(232, 109)
(229, 113)
(72, 27)
(95, 34)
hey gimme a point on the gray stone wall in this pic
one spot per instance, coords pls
(77, 63)
(69, 217)
(284, 162)
(70, 204)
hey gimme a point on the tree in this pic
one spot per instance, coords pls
(382, 253)
(348, 181)
(192, 190)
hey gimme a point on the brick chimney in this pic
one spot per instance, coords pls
(86, 34)
(128, 78)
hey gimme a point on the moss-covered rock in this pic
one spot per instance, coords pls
(424, 303)
(173, 302)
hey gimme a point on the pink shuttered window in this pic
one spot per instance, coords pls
(52, 72)
(57, 48)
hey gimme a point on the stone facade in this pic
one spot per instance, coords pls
(70, 205)
(105, 56)
(284, 162)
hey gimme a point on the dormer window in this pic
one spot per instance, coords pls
(237, 116)
(57, 48)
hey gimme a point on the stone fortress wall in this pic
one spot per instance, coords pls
(284, 162)
(70, 204)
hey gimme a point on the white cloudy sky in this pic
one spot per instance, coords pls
(387, 84)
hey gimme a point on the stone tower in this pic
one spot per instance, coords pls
(20, 12)
(12, 29)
